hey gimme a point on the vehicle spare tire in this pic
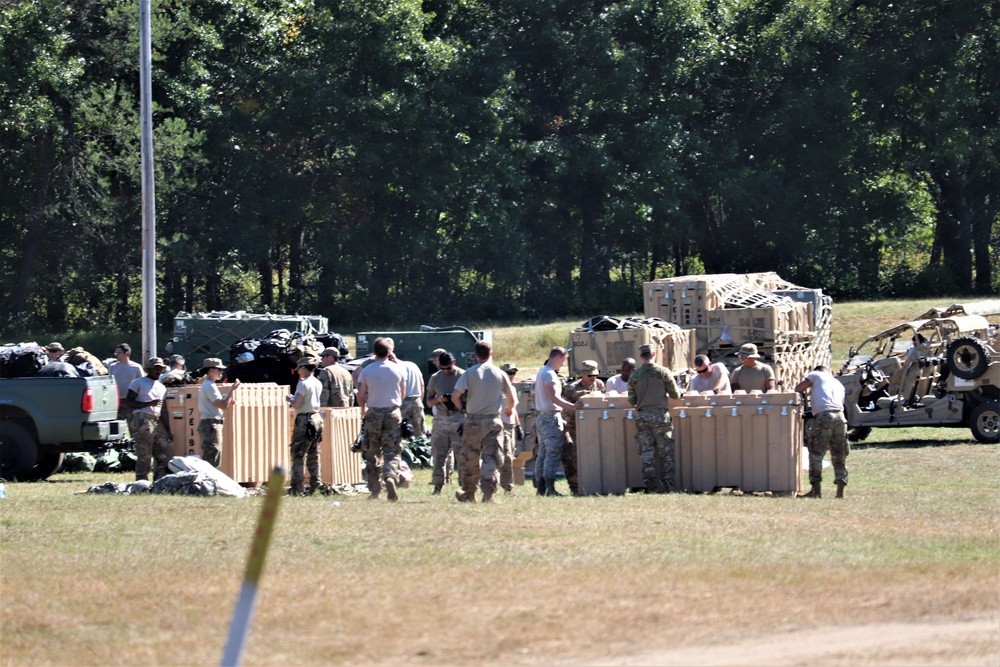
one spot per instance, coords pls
(985, 422)
(967, 357)
(18, 451)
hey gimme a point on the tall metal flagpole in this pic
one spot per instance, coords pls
(148, 192)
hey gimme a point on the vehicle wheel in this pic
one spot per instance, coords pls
(859, 434)
(985, 422)
(967, 357)
(47, 464)
(18, 451)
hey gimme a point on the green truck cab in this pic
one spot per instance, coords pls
(42, 418)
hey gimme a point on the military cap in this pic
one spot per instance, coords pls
(748, 351)
(55, 347)
(588, 367)
(176, 359)
(213, 362)
(508, 368)
(331, 352)
(155, 362)
(306, 361)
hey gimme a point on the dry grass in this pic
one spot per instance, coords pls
(111, 580)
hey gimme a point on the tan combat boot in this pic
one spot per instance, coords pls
(390, 489)
(815, 493)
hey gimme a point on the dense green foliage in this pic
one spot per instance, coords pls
(399, 160)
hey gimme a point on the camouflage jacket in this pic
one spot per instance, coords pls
(650, 385)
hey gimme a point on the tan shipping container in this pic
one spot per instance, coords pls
(751, 441)
(607, 457)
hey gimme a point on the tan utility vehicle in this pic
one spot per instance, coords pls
(942, 369)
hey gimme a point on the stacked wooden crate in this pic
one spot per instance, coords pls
(674, 345)
(789, 324)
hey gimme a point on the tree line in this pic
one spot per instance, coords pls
(431, 160)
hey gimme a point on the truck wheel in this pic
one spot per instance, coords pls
(18, 451)
(47, 464)
(967, 357)
(985, 422)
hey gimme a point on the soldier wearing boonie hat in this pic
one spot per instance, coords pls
(308, 430)
(212, 404)
(588, 383)
(753, 374)
(648, 388)
(54, 351)
(150, 430)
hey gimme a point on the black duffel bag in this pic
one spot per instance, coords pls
(21, 361)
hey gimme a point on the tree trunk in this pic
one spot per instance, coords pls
(982, 226)
(35, 224)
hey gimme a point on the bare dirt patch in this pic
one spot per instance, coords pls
(943, 642)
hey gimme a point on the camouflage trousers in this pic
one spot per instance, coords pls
(828, 431)
(569, 457)
(445, 442)
(305, 451)
(551, 436)
(383, 446)
(210, 431)
(150, 443)
(412, 410)
(481, 455)
(125, 415)
(507, 444)
(654, 438)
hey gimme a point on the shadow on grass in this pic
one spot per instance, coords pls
(912, 444)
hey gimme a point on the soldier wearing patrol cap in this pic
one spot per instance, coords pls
(648, 388)
(588, 383)
(338, 385)
(150, 430)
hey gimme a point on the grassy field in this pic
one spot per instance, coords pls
(93, 579)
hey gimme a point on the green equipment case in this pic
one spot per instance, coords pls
(198, 335)
(417, 346)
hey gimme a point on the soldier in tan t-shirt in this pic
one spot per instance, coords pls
(753, 375)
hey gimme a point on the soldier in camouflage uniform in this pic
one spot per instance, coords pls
(648, 389)
(308, 429)
(212, 404)
(338, 386)
(828, 429)
(487, 394)
(381, 388)
(446, 441)
(151, 431)
(511, 430)
(588, 383)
